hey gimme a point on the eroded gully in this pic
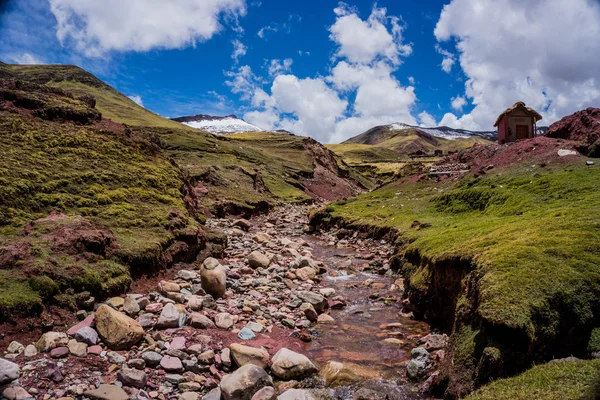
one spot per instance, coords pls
(368, 332)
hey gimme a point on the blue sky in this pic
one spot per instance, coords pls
(321, 68)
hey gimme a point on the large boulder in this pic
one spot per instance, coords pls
(213, 277)
(243, 355)
(244, 383)
(288, 365)
(117, 330)
(256, 259)
(9, 371)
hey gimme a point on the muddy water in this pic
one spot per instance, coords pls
(372, 314)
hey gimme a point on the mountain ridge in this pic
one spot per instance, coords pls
(218, 125)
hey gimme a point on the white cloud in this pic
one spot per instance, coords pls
(458, 103)
(265, 29)
(426, 120)
(96, 27)
(531, 51)
(278, 67)
(411, 80)
(363, 41)
(137, 100)
(303, 53)
(320, 107)
(26, 58)
(448, 61)
(239, 50)
(243, 82)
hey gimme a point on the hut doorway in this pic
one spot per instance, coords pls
(522, 132)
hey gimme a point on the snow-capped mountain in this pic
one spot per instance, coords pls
(218, 125)
(445, 132)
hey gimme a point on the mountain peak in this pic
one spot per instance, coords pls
(218, 125)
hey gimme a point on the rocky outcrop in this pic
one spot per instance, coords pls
(582, 127)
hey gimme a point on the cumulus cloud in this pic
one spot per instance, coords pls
(363, 41)
(239, 50)
(458, 103)
(512, 50)
(426, 120)
(359, 92)
(448, 61)
(137, 100)
(26, 58)
(96, 27)
(277, 67)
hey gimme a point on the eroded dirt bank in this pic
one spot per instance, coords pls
(317, 316)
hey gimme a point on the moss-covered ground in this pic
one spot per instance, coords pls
(115, 180)
(570, 380)
(532, 239)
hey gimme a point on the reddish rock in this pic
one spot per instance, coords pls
(582, 126)
(178, 343)
(59, 352)
(94, 350)
(171, 364)
(89, 321)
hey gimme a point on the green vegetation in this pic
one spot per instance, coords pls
(112, 104)
(383, 154)
(519, 250)
(567, 380)
(116, 181)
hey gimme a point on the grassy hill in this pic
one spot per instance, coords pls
(506, 261)
(95, 189)
(384, 151)
(235, 173)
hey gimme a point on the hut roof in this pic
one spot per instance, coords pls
(519, 104)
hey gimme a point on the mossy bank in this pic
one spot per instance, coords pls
(507, 262)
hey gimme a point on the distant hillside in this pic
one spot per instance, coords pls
(218, 125)
(384, 151)
(405, 139)
(111, 103)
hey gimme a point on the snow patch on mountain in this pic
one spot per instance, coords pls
(445, 132)
(218, 125)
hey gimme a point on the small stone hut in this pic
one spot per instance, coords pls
(517, 122)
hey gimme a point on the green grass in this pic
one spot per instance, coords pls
(571, 380)
(532, 238)
(114, 180)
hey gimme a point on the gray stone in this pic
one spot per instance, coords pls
(266, 393)
(187, 275)
(169, 317)
(417, 366)
(87, 335)
(256, 259)
(288, 365)
(246, 334)
(297, 394)
(9, 371)
(107, 392)
(214, 394)
(243, 383)
(115, 358)
(316, 300)
(201, 321)
(224, 320)
(213, 277)
(152, 358)
(133, 377)
(137, 363)
(130, 306)
(15, 347)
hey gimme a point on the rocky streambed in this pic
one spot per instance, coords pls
(282, 315)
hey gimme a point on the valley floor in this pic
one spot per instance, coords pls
(288, 294)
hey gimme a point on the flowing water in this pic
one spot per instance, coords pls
(372, 314)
